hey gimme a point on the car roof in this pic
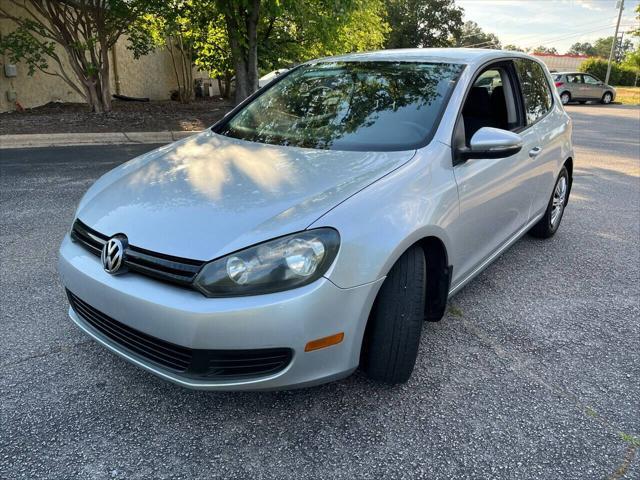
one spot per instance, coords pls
(436, 55)
(567, 73)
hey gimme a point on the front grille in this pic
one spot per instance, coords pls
(168, 268)
(196, 363)
(163, 353)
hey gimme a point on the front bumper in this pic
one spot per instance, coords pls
(184, 317)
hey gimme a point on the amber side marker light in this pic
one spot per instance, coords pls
(324, 342)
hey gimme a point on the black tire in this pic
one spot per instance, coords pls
(392, 336)
(607, 98)
(562, 98)
(545, 228)
(582, 102)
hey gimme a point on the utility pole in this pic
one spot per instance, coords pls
(614, 43)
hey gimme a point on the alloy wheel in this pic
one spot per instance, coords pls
(559, 200)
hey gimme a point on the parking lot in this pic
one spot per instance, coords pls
(533, 373)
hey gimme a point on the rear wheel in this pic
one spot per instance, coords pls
(565, 98)
(606, 98)
(392, 337)
(549, 223)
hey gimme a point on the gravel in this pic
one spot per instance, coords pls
(533, 373)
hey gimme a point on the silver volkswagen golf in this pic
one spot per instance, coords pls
(322, 221)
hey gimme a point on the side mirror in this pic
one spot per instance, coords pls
(490, 142)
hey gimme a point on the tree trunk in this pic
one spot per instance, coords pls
(242, 84)
(244, 50)
(252, 48)
(93, 97)
(227, 85)
(105, 81)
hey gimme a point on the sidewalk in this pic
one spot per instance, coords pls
(73, 139)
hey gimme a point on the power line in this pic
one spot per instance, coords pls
(526, 37)
(545, 42)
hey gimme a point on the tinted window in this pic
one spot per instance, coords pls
(574, 78)
(349, 106)
(535, 89)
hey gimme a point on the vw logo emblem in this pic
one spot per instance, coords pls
(113, 254)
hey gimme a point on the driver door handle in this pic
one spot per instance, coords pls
(534, 152)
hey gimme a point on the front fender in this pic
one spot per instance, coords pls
(379, 223)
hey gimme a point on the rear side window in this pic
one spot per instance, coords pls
(535, 89)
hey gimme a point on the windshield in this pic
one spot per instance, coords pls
(349, 106)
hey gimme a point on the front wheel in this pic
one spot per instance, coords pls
(392, 337)
(606, 98)
(549, 223)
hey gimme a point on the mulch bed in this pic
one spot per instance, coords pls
(125, 117)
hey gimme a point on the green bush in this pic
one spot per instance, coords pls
(620, 75)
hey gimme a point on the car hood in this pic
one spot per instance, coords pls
(209, 195)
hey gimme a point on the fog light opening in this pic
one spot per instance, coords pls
(324, 342)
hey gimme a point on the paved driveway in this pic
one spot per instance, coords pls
(534, 372)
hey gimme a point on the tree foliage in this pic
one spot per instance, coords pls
(514, 48)
(471, 35)
(194, 34)
(315, 28)
(84, 29)
(423, 23)
(181, 27)
(271, 34)
(542, 50)
(582, 48)
(632, 58)
(632, 61)
(602, 47)
(620, 75)
(212, 52)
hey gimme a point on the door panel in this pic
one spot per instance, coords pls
(495, 197)
(576, 86)
(547, 135)
(592, 87)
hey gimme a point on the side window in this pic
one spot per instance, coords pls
(574, 79)
(535, 89)
(489, 103)
(490, 79)
(588, 79)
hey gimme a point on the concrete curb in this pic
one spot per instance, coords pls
(73, 139)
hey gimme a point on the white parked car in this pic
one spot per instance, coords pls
(270, 76)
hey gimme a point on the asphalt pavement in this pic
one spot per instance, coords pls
(533, 374)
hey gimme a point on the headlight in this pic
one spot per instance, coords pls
(280, 264)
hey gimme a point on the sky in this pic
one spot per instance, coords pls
(552, 23)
